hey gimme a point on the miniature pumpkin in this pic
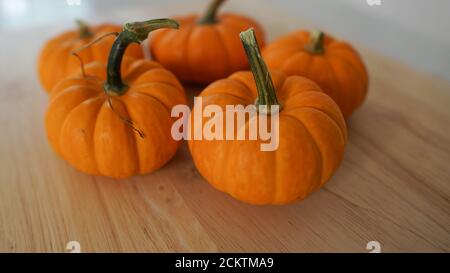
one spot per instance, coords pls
(312, 136)
(55, 61)
(205, 48)
(334, 65)
(120, 127)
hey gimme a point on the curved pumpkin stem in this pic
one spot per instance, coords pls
(76, 51)
(83, 71)
(210, 15)
(266, 91)
(84, 29)
(316, 42)
(132, 33)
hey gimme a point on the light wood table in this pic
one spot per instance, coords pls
(393, 186)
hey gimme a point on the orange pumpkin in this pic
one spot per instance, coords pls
(312, 136)
(56, 62)
(333, 64)
(120, 127)
(205, 48)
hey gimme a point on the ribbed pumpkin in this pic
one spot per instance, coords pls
(205, 48)
(312, 136)
(333, 64)
(55, 61)
(122, 126)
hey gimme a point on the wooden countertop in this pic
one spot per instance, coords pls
(393, 186)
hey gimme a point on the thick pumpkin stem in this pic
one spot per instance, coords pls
(266, 91)
(210, 15)
(84, 29)
(316, 42)
(132, 33)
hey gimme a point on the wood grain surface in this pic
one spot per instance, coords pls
(393, 186)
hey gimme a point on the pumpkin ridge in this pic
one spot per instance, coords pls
(131, 151)
(313, 63)
(333, 121)
(46, 52)
(248, 91)
(167, 107)
(93, 137)
(75, 88)
(331, 80)
(191, 66)
(249, 100)
(343, 56)
(99, 97)
(277, 174)
(135, 136)
(189, 28)
(185, 49)
(223, 28)
(157, 126)
(226, 186)
(160, 36)
(64, 123)
(308, 91)
(57, 92)
(162, 82)
(138, 68)
(331, 116)
(52, 63)
(343, 104)
(275, 185)
(359, 68)
(310, 60)
(277, 182)
(313, 186)
(153, 97)
(222, 181)
(212, 96)
(224, 49)
(342, 136)
(156, 37)
(68, 82)
(163, 36)
(358, 99)
(247, 85)
(344, 142)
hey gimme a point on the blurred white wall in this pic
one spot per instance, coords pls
(412, 31)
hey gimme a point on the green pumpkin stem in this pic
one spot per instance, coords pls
(83, 29)
(210, 15)
(266, 91)
(316, 42)
(132, 33)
